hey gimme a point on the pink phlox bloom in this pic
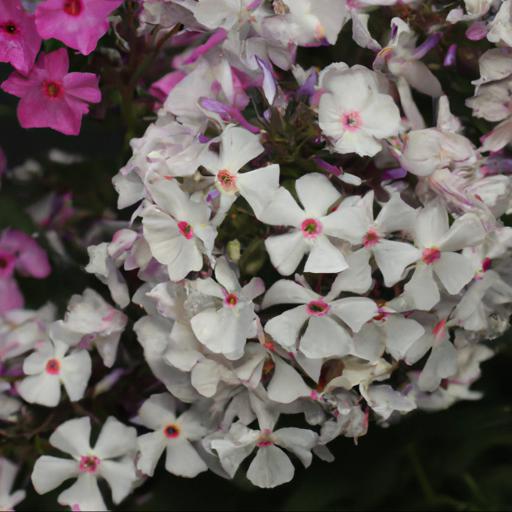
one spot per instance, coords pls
(51, 97)
(79, 24)
(19, 40)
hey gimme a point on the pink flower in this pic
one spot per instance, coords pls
(51, 97)
(20, 252)
(79, 24)
(19, 40)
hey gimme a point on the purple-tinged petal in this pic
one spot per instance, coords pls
(477, 31)
(269, 82)
(450, 58)
(431, 42)
(214, 40)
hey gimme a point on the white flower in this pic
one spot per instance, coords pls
(353, 113)
(225, 325)
(177, 228)
(307, 22)
(312, 227)
(173, 434)
(110, 459)
(90, 320)
(384, 400)
(324, 318)
(48, 368)
(238, 147)
(8, 472)
(271, 466)
(438, 243)
(500, 29)
(356, 224)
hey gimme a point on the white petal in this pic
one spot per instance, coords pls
(73, 437)
(316, 193)
(157, 411)
(396, 215)
(422, 289)
(454, 270)
(238, 147)
(325, 338)
(84, 493)
(441, 364)
(115, 439)
(381, 117)
(283, 210)
(431, 225)
(271, 467)
(182, 459)
(393, 258)
(325, 258)
(286, 291)
(206, 375)
(401, 333)
(286, 251)
(121, 477)
(349, 223)
(75, 374)
(299, 441)
(286, 384)
(466, 231)
(285, 327)
(50, 472)
(357, 278)
(151, 446)
(354, 311)
(226, 276)
(232, 455)
(43, 389)
(259, 186)
(168, 195)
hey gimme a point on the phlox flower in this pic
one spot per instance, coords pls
(353, 113)
(48, 368)
(238, 147)
(19, 40)
(90, 320)
(324, 319)
(224, 326)
(177, 228)
(438, 243)
(173, 434)
(357, 225)
(110, 459)
(271, 466)
(311, 230)
(50, 97)
(79, 24)
(8, 472)
(19, 252)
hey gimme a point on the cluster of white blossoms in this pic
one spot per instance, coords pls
(317, 271)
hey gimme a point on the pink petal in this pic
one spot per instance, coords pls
(10, 296)
(83, 86)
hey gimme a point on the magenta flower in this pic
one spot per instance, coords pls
(19, 40)
(51, 97)
(79, 24)
(22, 253)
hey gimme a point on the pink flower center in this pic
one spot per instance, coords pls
(73, 7)
(227, 181)
(53, 367)
(311, 228)
(10, 27)
(89, 464)
(7, 262)
(351, 121)
(52, 89)
(486, 264)
(431, 255)
(381, 315)
(231, 300)
(186, 229)
(265, 438)
(371, 239)
(171, 431)
(318, 308)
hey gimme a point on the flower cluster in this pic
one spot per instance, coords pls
(307, 247)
